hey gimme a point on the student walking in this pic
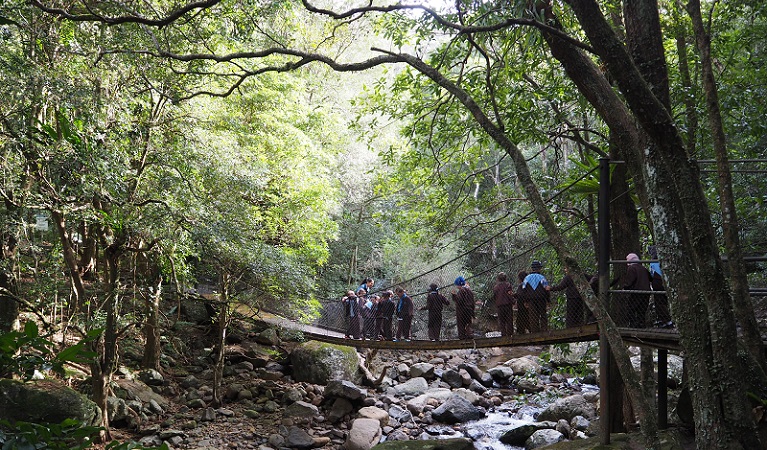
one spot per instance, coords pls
(435, 303)
(463, 297)
(404, 314)
(352, 314)
(637, 279)
(534, 292)
(523, 307)
(384, 315)
(503, 297)
(575, 308)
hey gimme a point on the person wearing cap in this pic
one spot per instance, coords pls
(463, 297)
(637, 278)
(435, 303)
(503, 297)
(535, 294)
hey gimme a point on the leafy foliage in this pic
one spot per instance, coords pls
(67, 435)
(24, 352)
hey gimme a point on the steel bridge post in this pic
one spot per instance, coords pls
(603, 267)
(662, 388)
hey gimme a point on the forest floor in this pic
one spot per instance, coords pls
(236, 431)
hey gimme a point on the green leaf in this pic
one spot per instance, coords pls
(31, 330)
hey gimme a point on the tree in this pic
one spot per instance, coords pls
(667, 181)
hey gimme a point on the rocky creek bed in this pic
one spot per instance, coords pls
(283, 393)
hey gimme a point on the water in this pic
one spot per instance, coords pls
(486, 432)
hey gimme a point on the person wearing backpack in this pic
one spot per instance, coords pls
(463, 297)
(534, 292)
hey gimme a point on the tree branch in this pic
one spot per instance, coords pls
(117, 20)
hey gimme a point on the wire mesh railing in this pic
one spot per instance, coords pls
(634, 303)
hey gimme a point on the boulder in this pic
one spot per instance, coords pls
(136, 390)
(579, 423)
(319, 363)
(340, 408)
(517, 436)
(298, 438)
(470, 396)
(268, 337)
(576, 353)
(422, 369)
(301, 409)
(529, 385)
(567, 408)
(411, 388)
(434, 444)
(400, 414)
(45, 401)
(476, 386)
(465, 377)
(364, 434)
(501, 373)
(457, 410)
(452, 378)
(373, 412)
(475, 372)
(120, 413)
(151, 377)
(197, 310)
(524, 365)
(417, 404)
(344, 389)
(543, 438)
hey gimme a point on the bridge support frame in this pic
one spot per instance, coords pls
(603, 268)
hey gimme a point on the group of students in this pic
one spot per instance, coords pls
(531, 297)
(371, 316)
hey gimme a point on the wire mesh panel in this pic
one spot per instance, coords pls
(638, 298)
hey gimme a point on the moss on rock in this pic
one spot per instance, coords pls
(45, 401)
(319, 362)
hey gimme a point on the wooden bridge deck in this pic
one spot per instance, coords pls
(657, 338)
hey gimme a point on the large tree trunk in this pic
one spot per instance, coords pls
(624, 137)
(744, 308)
(688, 250)
(644, 39)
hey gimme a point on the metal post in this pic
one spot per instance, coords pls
(662, 388)
(603, 267)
